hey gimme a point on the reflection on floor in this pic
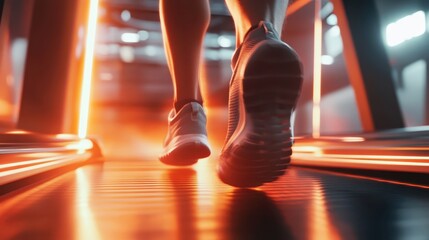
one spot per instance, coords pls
(133, 196)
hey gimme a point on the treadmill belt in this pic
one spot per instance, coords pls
(141, 199)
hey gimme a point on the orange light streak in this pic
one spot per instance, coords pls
(321, 226)
(26, 170)
(346, 139)
(306, 149)
(17, 132)
(30, 150)
(10, 175)
(372, 157)
(87, 71)
(377, 179)
(65, 136)
(23, 163)
(81, 146)
(317, 69)
(419, 164)
(359, 162)
(86, 227)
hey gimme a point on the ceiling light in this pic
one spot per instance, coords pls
(406, 28)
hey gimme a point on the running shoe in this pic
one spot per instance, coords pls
(264, 89)
(186, 140)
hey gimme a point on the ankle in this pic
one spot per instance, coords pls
(179, 104)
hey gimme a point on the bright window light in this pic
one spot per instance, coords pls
(224, 41)
(151, 50)
(130, 37)
(125, 15)
(332, 20)
(327, 60)
(143, 35)
(406, 28)
(126, 53)
(327, 9)
(333, 41)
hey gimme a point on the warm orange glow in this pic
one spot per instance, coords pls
(65, 136)
(23, 163)
(17, 132)
(345, 139)
(5, 108)
(408, 163)
(317, 69)
(87, 71)
(27, 194)
(203, 169)
(321, 226)
(10, 175)
(205, 177)
(372, 158)
(86, 227)
(353, 139)
(27, 169)
(81, 146)
(208, 190)
(306, 149)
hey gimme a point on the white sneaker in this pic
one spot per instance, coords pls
(186, 140)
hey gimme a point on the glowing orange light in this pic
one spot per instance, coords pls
(317, 69)
(384, 159)
(353, 139)
(346, 139)
(17, 132)
(14, 174)
(85, 222)
(306, 149)
(408, 163)
(87, 71)
(65, 136)
(81, 146)
(23, 163)
(321, 226)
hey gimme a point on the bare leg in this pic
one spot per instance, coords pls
(248, 13)
(184, 23)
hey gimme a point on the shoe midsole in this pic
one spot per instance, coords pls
(182, 140)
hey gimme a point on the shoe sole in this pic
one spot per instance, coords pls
(187, 152)
(262, 148)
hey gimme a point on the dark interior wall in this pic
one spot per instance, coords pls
(21, 17)
(1, 9)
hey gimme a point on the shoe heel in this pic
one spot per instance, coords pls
(271, 85)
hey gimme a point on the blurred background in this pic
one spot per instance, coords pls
(130, 65)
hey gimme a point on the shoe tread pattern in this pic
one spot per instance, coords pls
(271, 85)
